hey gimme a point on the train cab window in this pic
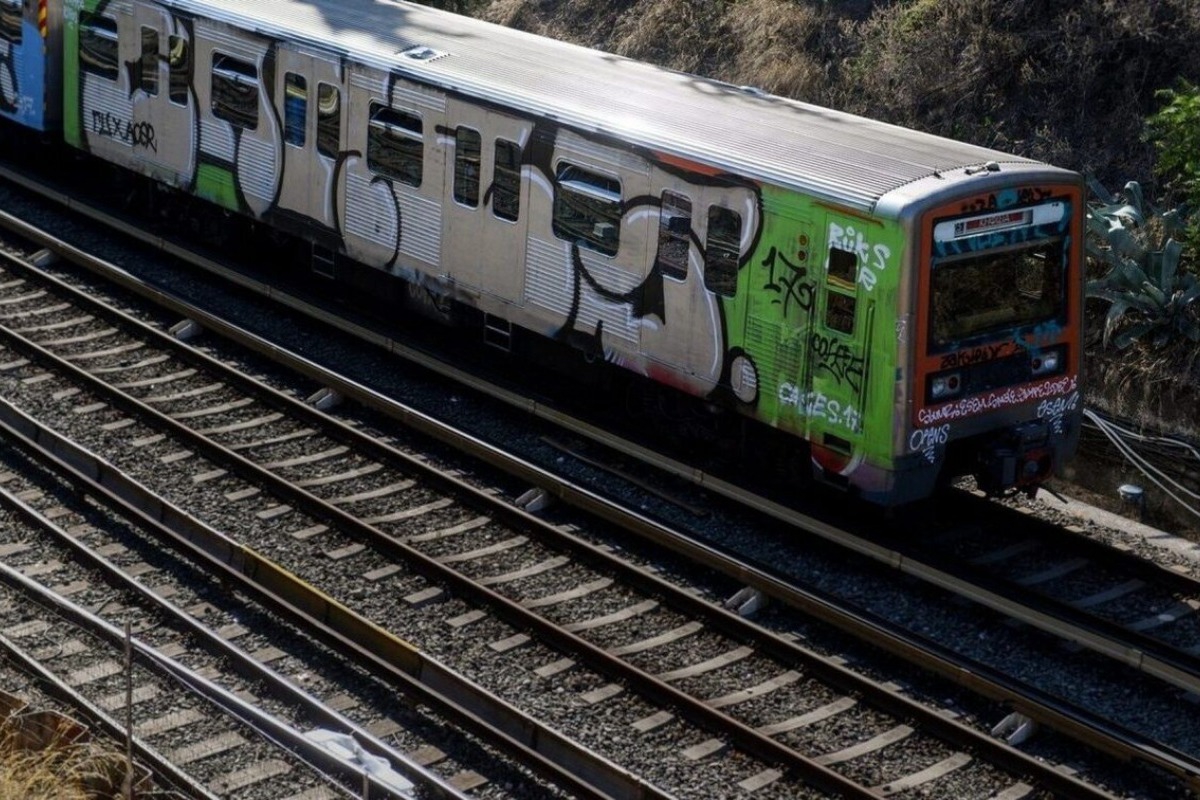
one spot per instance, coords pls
(839, 311)
(467, 149)
(395, 144)
(10, 21)
(587, 209)
(98, 45)
(674, 231)
(179, 65)
(149, 73)
(235, 91)
(295, 109)
(506, 181)
(329, 120)
(722, 248)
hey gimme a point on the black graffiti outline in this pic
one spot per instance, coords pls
(838, 359)
(791, 285)
(137, 134)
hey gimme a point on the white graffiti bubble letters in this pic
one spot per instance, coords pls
(816, 405)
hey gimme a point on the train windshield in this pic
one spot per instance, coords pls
(977, 293)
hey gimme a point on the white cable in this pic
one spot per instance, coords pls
(1138, 462)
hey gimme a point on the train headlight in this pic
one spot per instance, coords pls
(1047, 362)
(944, 386)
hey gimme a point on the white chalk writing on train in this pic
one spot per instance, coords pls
(1001, 398)
(138, 134)
(1054, 410)
(817, 406)
(927, 440)
(871, 258)
(902, 330)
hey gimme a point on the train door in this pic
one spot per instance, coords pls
(483, 221)
(837, 362)
(311, 102)
(162, 126)
(684, 339)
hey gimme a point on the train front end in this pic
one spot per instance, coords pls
(997, 316)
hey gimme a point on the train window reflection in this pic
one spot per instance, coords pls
(98, 45)
(722, 249)
(506, 181)
(395, 144)
(978, 293)
(149, 77)
(10, 21)
(587, 209)
(235, 91)
(674, 235)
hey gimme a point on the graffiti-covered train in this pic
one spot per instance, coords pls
(893, 307)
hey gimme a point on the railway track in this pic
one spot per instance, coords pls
(62, 606)
(331, 499)
(1149, 751)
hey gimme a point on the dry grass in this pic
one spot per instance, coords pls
(56, 768)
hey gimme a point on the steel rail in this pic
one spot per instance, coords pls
(518, 616)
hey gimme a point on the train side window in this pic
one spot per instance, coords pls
(843, 266)
(587, 209)
(839, 311)
(149, 77)
(467, 148)
(10, 21)
(506, 181)
(295, 109)
(98, 45)
(722, 249)
(235, 91)
(674, 235)
(395, 144)
(179, 63)
(329, 120)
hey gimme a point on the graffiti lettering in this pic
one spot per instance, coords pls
(974, 356)
(836, 358)
(927, 440)
(816, 405)
(139, 134)
(1001, 398)
(1019, 197)
(871, 259)
(1054, 410)
(789, 282)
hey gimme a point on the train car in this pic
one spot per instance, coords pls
(31, 63)
(892, 306)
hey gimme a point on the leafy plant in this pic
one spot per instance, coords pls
(1175, 133)
(1144, 280)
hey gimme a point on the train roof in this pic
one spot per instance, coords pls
(839, 157)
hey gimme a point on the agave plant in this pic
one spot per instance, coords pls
(1144, 280)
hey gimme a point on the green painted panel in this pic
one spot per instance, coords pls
(216, 184)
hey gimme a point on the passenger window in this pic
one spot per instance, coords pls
(674, 232)
(329, 120)
(149, 79)
(587, 209)
(10, 21)
(235, 91)
(843, 266)
(467, 146)
(98, 45)
(722, 249)
(295, 109)
(395, 144)
(179, 63)
(506, 181)
(839, 311)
